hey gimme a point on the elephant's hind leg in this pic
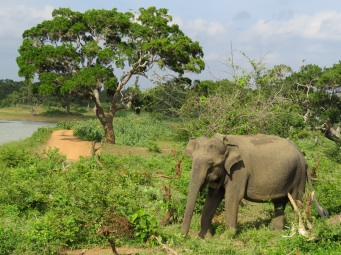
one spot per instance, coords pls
(278, 220)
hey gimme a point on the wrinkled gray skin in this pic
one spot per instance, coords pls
(257, 168)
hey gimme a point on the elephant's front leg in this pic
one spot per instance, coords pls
(213, 199)
(234, 194)
(231, 210)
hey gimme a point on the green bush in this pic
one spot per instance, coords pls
(145, 225)
(334, 152)
(131, 129)
(153, 147)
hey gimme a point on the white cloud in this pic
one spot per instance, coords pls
(212, 56)
(45, 13)
(177, 20)
(200, 26)
(17, 18)
(320, 26)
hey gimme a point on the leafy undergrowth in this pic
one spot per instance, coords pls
(131, 130)
(48, 206)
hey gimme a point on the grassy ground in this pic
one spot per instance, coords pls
(46, 205)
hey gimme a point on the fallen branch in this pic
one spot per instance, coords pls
(178, 170)
(167, 190)
(99, 163)
(93, 147)
(165, 247)
(167, 198)
(301, 228)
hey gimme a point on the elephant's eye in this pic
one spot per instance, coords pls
(210, 163)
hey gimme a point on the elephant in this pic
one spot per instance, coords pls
(258, 168)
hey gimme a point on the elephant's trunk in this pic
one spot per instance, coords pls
(196, 182)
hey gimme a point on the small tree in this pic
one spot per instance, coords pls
(82, 54)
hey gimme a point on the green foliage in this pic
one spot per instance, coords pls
(48, 205)
(241, 111)
(133, 130)
(334, 152)
(153, 147)
(168, 97)
(327, 241)
(18, 153)
(10, 93)
(145, 225)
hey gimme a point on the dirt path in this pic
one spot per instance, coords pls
(69, 145)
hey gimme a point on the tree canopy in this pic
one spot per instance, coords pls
(81, 54)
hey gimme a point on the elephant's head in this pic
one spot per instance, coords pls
(210, 157)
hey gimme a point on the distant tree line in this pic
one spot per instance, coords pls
(273, 101)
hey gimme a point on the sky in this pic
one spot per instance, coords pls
(290, 32)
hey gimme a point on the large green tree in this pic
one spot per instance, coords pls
(84, 53)
(316, 90)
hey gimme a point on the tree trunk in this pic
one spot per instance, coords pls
(109, 133)
(68, 107)
(106, 121)
(67, 101)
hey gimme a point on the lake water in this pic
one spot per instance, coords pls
(18, 130)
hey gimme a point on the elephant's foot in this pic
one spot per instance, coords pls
(229, 234)
(204, 234)
(278, 223)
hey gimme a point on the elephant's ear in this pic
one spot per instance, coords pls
(232, 157)
(232, 152)
(191, 147)
(221, 137)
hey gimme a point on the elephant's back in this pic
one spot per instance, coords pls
(275, 166)
(261, 142)
(261, 151)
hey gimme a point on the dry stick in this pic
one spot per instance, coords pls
(178, 164)
(94, 150)
(165, 247)
(99, 163)
(167, 197)
(113, 246)
(307, 211)
(93, 145)
(301, 229)
(167, 190)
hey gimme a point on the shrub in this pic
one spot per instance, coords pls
(153, 147)
(131, 130)
(145, 225)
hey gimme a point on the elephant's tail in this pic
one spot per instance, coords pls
(322, 211)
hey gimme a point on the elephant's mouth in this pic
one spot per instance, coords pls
(214, 185)
(210, 184)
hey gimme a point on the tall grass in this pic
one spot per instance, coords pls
(131, 130)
